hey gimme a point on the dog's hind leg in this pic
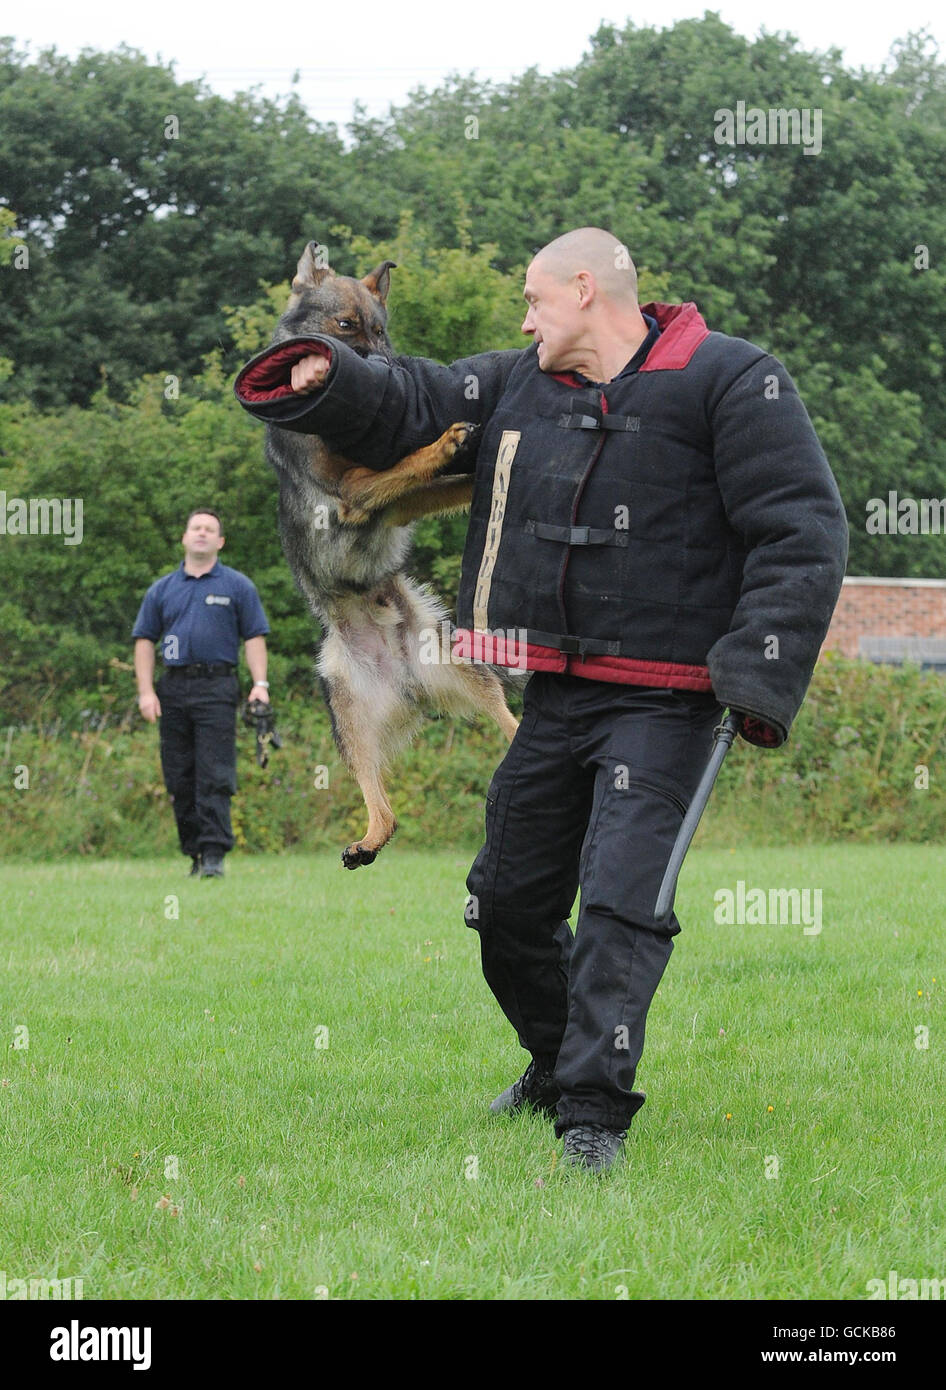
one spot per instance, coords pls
(360, 749)
(381, 820)
(465, 688)
(494, 704)
(370, 721)
(454, 686)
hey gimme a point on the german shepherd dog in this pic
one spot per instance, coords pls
(346, 533)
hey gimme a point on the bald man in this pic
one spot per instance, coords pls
(656, 534)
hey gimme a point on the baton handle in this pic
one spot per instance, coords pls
(724, 732)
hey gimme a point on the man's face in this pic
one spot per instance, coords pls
(554, 318)
(202, 537)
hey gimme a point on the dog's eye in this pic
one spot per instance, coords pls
(345, 323)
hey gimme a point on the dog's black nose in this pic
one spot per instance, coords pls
(383, 353)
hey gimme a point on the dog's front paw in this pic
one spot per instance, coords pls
(354, 856)
(458, 437)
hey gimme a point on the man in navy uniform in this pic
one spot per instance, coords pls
(655, 532)
(199, 612)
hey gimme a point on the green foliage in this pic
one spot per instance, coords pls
(250, 326)
(7, 235)
(138, 469)
(448, 301)
(95, 783)
(845, 406)
(848, 772)
(147, 204)
(157, 267)
(852, 768)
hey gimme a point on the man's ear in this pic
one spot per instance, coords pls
(378, 281)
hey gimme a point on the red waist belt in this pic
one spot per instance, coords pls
(497, 649)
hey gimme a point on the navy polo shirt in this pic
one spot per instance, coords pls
(201, 617)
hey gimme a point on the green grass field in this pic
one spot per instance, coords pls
(281, 1092)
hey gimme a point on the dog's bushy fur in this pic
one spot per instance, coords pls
(346, 532)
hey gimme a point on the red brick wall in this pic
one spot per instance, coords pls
(886, 608)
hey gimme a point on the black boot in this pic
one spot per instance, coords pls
(593, 1147)
(535, 1090)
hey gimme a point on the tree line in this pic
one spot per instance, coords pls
(148, 228)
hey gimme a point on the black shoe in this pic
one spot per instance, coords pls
(211, 866)
(593, 1147)
(534, 1090)
(195, 866)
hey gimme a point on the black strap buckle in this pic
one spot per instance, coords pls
(590, 418)
(580, 420)
(575, 646)
(575, 535)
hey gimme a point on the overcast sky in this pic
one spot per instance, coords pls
(377, 52)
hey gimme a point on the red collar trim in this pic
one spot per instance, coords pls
(682, 329)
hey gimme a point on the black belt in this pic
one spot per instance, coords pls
(201, 668)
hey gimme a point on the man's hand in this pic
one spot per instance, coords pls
(259, 692)
(309, 373)
(150, 706)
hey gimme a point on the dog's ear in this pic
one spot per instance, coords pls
(378, 281)
(312, 269)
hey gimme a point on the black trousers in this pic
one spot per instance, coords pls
(198, 756)
(591, 794)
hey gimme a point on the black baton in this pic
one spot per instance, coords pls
(724, 733)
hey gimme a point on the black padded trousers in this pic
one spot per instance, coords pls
(590, 795)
